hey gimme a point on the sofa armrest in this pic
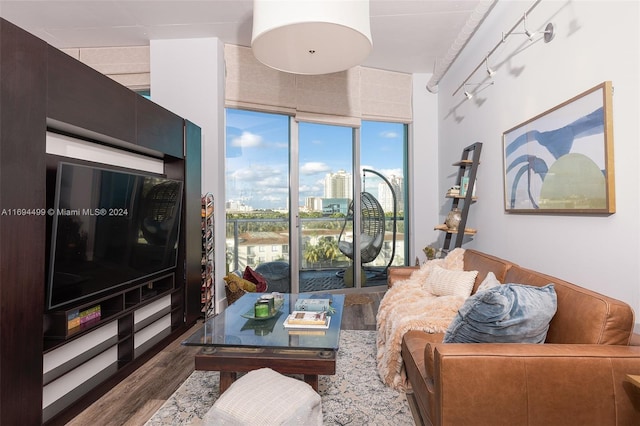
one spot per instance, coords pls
(399, 273)
(515, 383)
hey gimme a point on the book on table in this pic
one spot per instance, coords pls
(307, 319)
(315, 305)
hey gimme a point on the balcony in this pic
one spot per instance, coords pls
(263, 244)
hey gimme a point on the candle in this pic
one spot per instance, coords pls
(261, 309)
(270, 300)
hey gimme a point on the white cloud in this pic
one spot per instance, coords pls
(391, 172)
(255, 173)
(272, 181)
(314, 167)
(247, 140)
(271, 198)
(389, 135)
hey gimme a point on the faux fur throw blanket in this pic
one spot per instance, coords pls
(407, 306)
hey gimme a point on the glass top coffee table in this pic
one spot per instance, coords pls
(233, 342)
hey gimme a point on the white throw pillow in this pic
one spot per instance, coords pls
(489, 281)
(446, 282)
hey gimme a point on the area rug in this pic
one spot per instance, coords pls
(355, 395)
(357, 299)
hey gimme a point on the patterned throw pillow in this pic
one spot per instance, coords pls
(446, 282)
(256, 278)
(508, 313)
(236, 283)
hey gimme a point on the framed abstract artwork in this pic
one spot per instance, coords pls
(561, 161)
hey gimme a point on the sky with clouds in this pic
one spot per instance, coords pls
(257, 151)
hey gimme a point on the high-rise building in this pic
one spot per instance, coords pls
(338, 185)
(235, 206)
(313, 204)
(385, 198)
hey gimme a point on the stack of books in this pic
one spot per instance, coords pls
(307, 319)
(454, 191)
(315, 305)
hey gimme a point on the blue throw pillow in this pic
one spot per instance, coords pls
(508, 313)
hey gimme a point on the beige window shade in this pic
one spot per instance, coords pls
(330, 94)
(337, 98)
(386, 95)
(129, 66)
(334, 120)
(250, 82)
(358, 93)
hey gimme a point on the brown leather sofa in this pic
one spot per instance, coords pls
(577, 377)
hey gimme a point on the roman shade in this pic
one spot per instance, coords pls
(342, 98)
(129, 66)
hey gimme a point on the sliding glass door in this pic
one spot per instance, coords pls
(325, 192)
(312, 242)
(383, 159)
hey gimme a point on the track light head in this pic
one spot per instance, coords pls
(548, 32)
(479, 86)
(490, 72)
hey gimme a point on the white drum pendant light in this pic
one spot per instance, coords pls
(311, 36)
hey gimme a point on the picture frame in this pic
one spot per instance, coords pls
(561, 161)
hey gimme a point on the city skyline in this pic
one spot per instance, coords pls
(337, 187)
(257, 157)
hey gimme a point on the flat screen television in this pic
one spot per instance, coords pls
(110, 230)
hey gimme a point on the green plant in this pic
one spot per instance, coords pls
(430, 252)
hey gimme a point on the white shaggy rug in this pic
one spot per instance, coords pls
(355, 395)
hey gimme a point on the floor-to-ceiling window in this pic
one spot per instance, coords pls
(383, 148)
(257, 194)
(271, 159)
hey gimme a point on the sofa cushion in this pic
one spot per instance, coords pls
(484, 263)
(583, 316)
(414, 346)
(489, 281)
(509, 313)
(446, 282)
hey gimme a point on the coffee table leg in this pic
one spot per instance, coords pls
(227, 378)
(312, 379)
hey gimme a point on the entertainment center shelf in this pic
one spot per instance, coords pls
(65, 324)
(75, 365)
(56, 369)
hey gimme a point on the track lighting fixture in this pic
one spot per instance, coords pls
(469, 95)
(548, 36)
(490, 72)
(548, 31)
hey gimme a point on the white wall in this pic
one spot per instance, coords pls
(595, 41)
(424, 193)
(187, 77)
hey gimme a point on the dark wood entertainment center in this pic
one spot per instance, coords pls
(44, 90)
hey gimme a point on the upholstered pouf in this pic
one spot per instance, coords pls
(266, 397)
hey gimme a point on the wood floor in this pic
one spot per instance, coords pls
(133, 401)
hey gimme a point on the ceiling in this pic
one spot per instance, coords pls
(408, 35)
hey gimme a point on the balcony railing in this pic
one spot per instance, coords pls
(253, 241)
